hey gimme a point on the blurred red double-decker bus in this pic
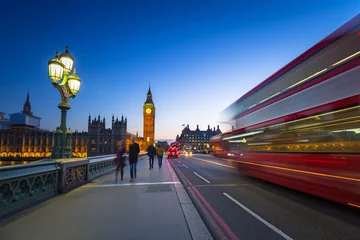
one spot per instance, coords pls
(300, 128)
(173, 151)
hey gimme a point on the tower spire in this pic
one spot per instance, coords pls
(149, 97)
(27, 106)
(149, 92)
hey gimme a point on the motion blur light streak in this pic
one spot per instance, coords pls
(315, 74)
(311, 129)
(341, 61)
(299, 171)
(243, 135)
(220, 164)
(354, 205)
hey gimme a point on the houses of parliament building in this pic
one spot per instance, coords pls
(22, 138)
(102, 141)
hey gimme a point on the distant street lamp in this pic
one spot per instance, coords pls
(68, 86)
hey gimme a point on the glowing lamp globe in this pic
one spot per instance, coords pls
(56, 68)
(67, 60)
(74, 83)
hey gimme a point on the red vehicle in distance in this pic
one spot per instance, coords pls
(173, 151)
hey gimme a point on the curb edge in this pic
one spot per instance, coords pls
(196, 225)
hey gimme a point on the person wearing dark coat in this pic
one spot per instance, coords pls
(120, 160)
(151, 152)
(134, 151)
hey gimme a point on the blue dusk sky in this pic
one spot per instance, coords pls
(198, 56)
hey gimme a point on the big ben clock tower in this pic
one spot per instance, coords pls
(149, 119)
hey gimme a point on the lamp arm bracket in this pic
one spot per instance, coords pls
(65, 93)
(65, 78)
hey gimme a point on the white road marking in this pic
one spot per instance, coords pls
(278, 231)
(129, 184)
(201, 177)
(185, 166)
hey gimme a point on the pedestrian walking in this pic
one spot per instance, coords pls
(120, 161)
(159, 154)
(151, 152)
(134, 151)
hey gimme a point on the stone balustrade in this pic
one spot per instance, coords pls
(73, 173)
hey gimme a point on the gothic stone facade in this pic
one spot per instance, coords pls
(23, 142)
(102, 140)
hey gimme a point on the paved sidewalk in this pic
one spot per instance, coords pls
(148, 208)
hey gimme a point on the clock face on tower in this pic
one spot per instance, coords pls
(148, 110)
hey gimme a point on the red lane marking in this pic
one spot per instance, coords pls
(217, 217)
(202, 202)
(208, 216)
(216, 227)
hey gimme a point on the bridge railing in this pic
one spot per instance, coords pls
(24, 185)
(100, 166)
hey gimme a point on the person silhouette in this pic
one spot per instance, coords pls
(134, 151)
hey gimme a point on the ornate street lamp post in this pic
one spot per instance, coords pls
(68, 86)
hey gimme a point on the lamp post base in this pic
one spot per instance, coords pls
(67, 149)
(62, 145)
(66, 153)
(56, 151)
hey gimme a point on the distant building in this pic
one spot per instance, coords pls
(79, 144)
(25, 117)
(164, 144)
(4, 121)
(196, 140)
(23, 138)
(102, 140)
(138, 139)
